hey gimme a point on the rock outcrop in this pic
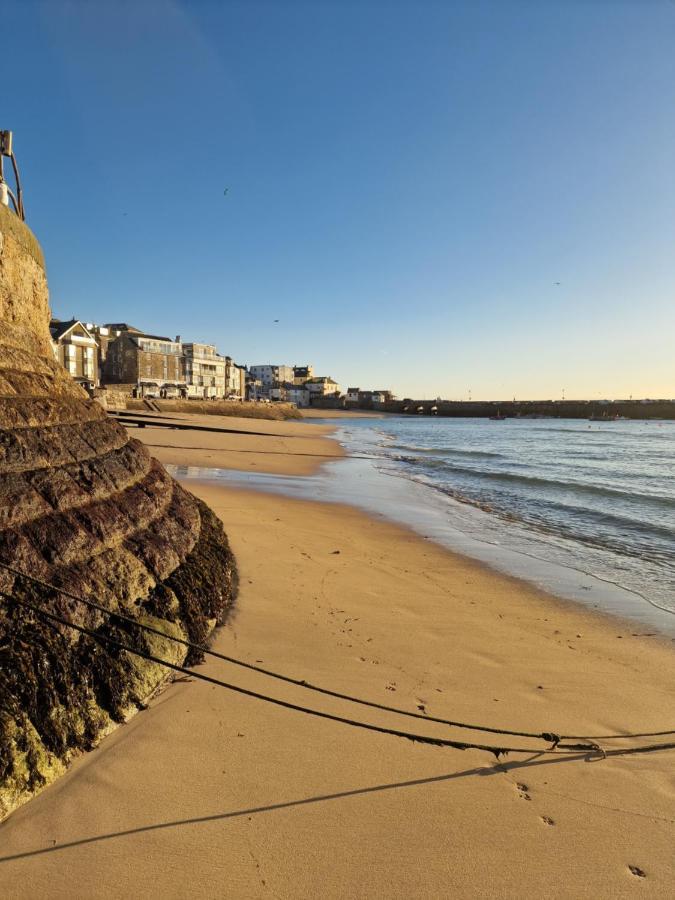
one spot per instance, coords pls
(85, 508)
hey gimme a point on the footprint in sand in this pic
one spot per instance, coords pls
(547, 821)
(637, 871)
(523, 790)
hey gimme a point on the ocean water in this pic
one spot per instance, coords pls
(585, 510)
(595, 496)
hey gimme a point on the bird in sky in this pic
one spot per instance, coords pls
(557, 282)
(225, 192)
(276, 321)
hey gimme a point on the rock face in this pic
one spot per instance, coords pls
(84, 508)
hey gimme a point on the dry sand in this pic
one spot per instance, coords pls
(212, 794)
(288, 447)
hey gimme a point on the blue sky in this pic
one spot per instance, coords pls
(406, 183)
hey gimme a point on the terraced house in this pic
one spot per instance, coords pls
(205, 371)
(149, 365)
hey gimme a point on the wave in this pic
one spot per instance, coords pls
(643, 544)
(573, 486)
(590, 431)
(641, 539)
(454, 451)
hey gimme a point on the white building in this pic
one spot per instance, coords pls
(76, 350)
(204, 371)
(272, 376)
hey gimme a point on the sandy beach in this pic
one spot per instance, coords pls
(278, 447)
(209, 794)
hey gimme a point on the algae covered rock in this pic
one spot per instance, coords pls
(86, 509)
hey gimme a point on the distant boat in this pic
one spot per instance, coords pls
(604, 418)
(498, 417)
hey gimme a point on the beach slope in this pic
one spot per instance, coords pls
(209, 793)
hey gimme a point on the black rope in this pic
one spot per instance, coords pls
(567, 749)
(15, 202)
(19, 191)
(548, 736)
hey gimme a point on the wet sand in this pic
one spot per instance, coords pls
(209, 793)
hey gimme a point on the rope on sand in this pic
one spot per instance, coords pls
(550, 737)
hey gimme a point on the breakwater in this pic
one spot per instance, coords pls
(558, 409)
(84, 512)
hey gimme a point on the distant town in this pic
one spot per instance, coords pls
(120, 358)
(117, 361)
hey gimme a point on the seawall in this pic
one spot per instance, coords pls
(85, 509)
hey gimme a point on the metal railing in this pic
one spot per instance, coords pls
(6, 193)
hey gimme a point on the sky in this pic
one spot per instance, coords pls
(457, 199)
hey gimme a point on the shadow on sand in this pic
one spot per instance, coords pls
(499, 768)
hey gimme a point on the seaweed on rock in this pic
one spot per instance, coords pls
(84, 508)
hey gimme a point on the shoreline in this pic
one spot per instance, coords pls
(507, 546)
(297, 454)
(612, 618)
(265, 800)
(460, 528)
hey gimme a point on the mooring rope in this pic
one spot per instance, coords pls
(548, 736)
(558, 750)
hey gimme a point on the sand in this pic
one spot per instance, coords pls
(212, 794)
(288, 447)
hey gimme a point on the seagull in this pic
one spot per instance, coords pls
(276, 321)
(557, 282)
(225, 192)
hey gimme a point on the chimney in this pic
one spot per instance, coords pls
(178, 339)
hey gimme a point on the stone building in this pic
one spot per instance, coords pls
(367, 399)
(301, 374)
(298, 394)
(205, 372)
(151, 365)
(322, 387)
(76, 349)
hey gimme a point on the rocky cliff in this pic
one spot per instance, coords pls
(84, 508)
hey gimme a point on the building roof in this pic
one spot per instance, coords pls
(152, 337)
(59, 329)
(122, 326)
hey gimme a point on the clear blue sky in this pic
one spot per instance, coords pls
(405, 183)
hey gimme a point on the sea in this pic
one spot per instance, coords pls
(582, 509)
